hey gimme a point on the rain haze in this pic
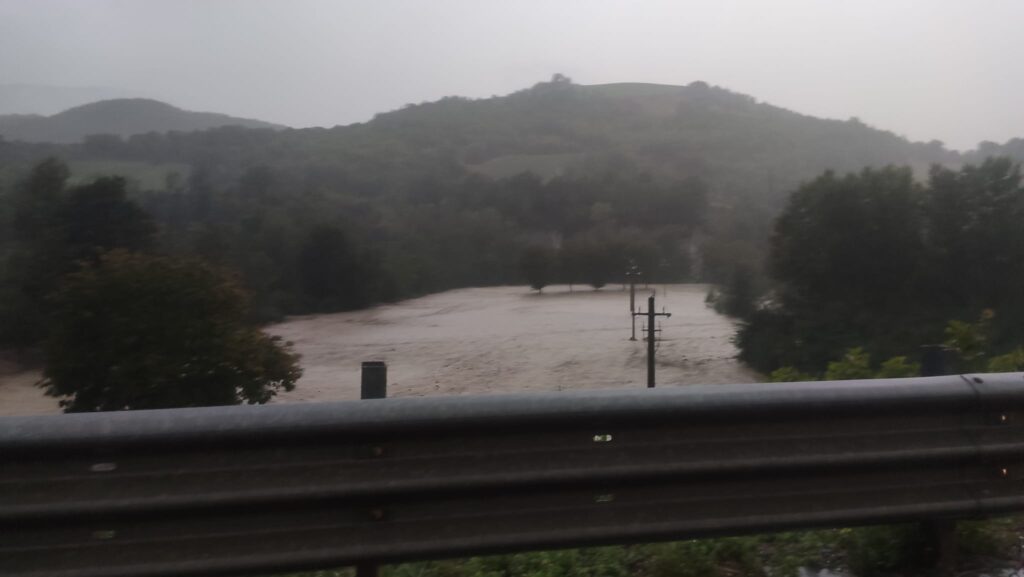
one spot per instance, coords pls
(518, 288)
(926, 69)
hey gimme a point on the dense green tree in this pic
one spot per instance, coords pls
(855, 239)
(593, 260)
(98, 217)
(977, 241)
(874, 259)
(32, 259)
(55, 229)
(36, 201)
(738, 298)
(146, 332)
(331, 272)
(538, 266)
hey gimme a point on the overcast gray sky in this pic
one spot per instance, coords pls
(948, 70)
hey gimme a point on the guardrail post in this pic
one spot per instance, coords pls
(934, 361)
(374, 380)
(373, 385)
(939, 534)
(650, 342)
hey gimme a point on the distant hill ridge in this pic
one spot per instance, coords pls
(122, 117)
(747, 151)
(738, 144)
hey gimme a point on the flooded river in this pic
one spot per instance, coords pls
(491, 340)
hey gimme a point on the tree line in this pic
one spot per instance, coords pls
(879, 260)
(747, 155)
(118, 325)
(306, 244)
(280, 243)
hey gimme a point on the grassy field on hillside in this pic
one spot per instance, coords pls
(545, 166)
(144, 175)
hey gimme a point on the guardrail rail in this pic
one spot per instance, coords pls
(258, 489)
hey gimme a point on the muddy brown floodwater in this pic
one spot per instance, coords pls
(491, 340)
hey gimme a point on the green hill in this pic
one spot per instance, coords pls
(749, 153)
(121, 117)
(739, 144)
(743, 148)
(685, 181)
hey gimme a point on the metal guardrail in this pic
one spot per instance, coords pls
(258, 489)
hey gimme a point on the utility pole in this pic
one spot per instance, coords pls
(632, 274)
(650, 314)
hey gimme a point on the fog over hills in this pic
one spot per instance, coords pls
(743, 148)
(122, 117)
(37, 99)
(678, 131)
(575, 181)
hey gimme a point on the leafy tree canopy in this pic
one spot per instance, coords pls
(146, 332)
(538, 264)
(878, 260)
(54, 230)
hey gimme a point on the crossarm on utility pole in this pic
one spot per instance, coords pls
(651, 314)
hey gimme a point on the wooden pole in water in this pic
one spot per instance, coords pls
(632, 273)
